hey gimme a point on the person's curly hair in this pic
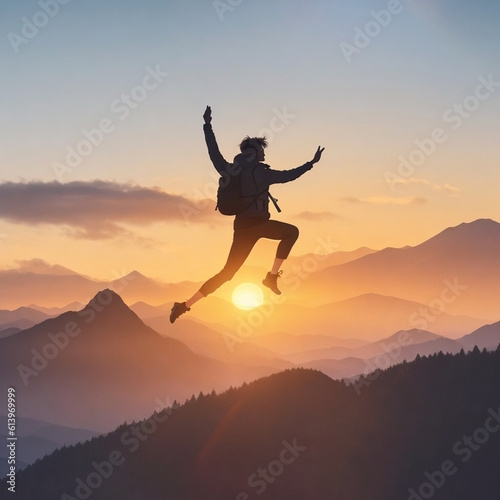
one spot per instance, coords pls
(253, 143)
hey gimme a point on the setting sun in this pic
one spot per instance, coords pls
(247, 296)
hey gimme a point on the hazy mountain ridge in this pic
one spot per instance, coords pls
(22, 313)
(111, 340)
(10, 331)
(333, 259)
(18, 288)
(376, 443)
(452, 273)
(107, 352)
(55, 311)
(367, 317)
(414, 337)
(400, 347)
(39, 438)
(456, 269)
(116, 355)
(486, 337)
(225, 347)
(271, 351)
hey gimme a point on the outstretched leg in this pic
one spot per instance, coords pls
(183, 307)
(195, 298)
(243, 242)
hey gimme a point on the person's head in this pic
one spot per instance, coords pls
(256, 144)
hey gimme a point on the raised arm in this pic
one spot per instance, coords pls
(271, 176)
(218, 160)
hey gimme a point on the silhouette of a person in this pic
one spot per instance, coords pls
(254, 222)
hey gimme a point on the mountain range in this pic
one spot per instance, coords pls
(46, 289)
(418, 430)
(366, 317)
(38, 439)
(107, 346)
(125, 369)
(455, 271)
(20, 319)
(446, 284)
(108, 355)
(98, 365)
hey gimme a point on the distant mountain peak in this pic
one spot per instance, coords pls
(106, 291)
(108, 303)
(482, 222)
(476, 226)
(135, 274)
(133, 277)
(106, 297)
(108, 310)
(481, 233)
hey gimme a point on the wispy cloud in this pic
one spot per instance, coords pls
(97, 209)
(387, 200)
(317, 216)
(450, 190)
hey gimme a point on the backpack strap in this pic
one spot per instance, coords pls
(274, 200)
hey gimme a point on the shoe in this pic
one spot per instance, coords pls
(178, 309)
(271, 281)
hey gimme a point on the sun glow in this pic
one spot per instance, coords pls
(247, 296)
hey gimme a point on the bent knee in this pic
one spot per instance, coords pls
(294, 232)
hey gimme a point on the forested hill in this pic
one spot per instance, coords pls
(430, 428)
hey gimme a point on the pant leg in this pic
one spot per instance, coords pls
(243, 242)
(276, 230)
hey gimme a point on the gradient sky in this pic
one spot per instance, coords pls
(302, 70)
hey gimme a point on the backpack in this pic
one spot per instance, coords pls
(230, 200)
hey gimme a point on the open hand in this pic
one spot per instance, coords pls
(207, 115)
(317, 156)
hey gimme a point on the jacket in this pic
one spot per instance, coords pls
(256, 177)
